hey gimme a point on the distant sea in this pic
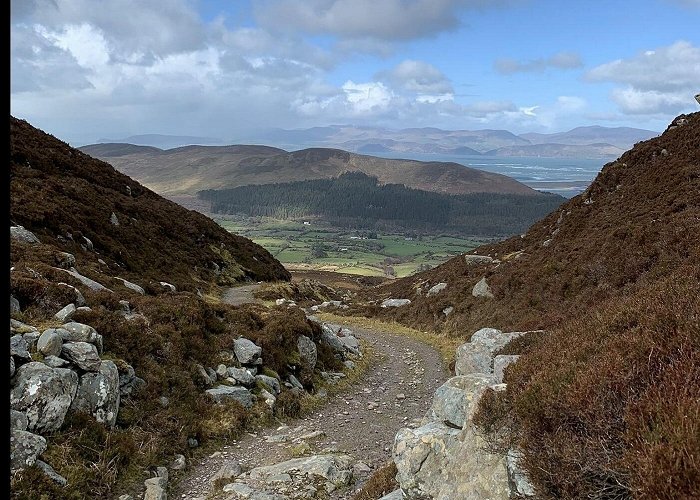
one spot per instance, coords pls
(564, 176)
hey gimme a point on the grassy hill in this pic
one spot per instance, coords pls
(191, 169)
(604, 403)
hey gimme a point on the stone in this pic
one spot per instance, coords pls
(331, 339)
(44, 394)
(83, 354)
(12, 366)
(90, 283)
(395, 302)
(18, 233)
(246, 351)
(178, 462)
(212, 374)
(113, 219)
(223, 393)
(482, 289)
(131, 286)
(50, 343)
(436, 289)
(456, 400)
(334, 468)
(351, 344)
(295, 382)
(221, 371)
(203, 375)
(519, 482)
(18, 348)
(448, 310)
(270, 382)
(155, 489)
(269, 399)
(78, 332)
(79, 300)
(17, 327)
(162, 472)
(88, 243)
(65, 259)
(476, 356)
(51, 473)
(307, 352)
(230, 470)
(350, 365)
(500, 363)
(55, 362)
(25, 447)
(280, 302)
(394, 495)
(66, 313)
(18, 420)
(168, 286)
(471, 259)
(98, 394)
(14, 305)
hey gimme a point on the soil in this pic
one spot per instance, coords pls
(395, 391)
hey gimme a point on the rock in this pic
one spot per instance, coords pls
(482, 289)
(295, 382)
(131, 286)
(18, 233)
(270, 382)
(78, 332)
(203, 375)
(519, 482)
(17, 327)
(51, 473)
(351, 344)
(221, 371)
(436, 289)
(14, 305)
(269, 399)
(88, 243)
(18, 420)
(192, 442)
(125, 497)
(222, 393)
(395, 302)
(18, 348)
(98, 394)
(25, 447)
(329, 337)
(455, 401)
(334, 468)
(50, 343)
(83, 354)
(128, 381)
(307, 352)
(448, 310)
(500, 363)
(164, 401)
(230, 470)
(477, 259)
(66, 313)
(12, 366)
(65, 259)
(79, 300)
(246, 351)
(155, 489)
(280, 302)
(168, 286)
(91, 284)
(212, 374)
(55, 362)
(31, 339)
(476, 356)
(162, 472)
(179, 462)
(394, 495)
(44, 394)
(113, 219)
(350, 365)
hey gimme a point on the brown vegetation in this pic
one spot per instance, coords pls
(381, 483)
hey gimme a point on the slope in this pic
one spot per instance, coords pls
(67, 198)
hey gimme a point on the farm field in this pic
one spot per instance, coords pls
(312, 246)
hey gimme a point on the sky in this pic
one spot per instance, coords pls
(84, 70)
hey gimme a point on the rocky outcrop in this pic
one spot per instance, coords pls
(307, 352)
(98, 393)
(247, 352)
(25, 447)
(395, 302)
(222, 393)
(18, 233)
(482, 289)
(434, 290)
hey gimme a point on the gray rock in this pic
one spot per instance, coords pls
(25, 447)
(436, 289)
(455, 401)
(49, 343)
(179, 462)
(203, 375)
(113, 219)
(168, 286)
(88, 243)
(351, 344)
(98, 394)
(241, 376)
(394, 495)
(66, 313)
(350, 365)
(246, 351)
(65, 259)
(131, 286)
(307, 352)
(83, 309)
(295, 382)
(18, 420)
(51, 473)
(482, 289)
(395, 302)
(519, 482)
(79, 300)
(44, 394)
(500, 363)
(212, 374)
(271, 382)
(90, 283)
(125, 497)
(14, 305)
(55, 362)
(155, 489)
(223, 393)
(221, 371)
(162, 472)
(78, 332)
(478, 259)
(192, 442)
(128, 381)
(18, 233)
(448, 310)
(17, 327)
(476, 356)
(12, 366)
(31, 339)
(268, 398)
(230, 470)
(335, 468)
(331, 339)
(83, 354)
(18, 348)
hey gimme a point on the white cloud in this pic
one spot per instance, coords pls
(419, 77)
(561, 60)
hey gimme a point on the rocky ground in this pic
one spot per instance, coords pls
(361, 422)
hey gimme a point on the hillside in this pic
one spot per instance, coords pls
(390, 207)
(67, 198)
(621, 137)
(191, 169)
(553, 150)
(604, 401)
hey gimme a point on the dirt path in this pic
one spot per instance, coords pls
(395, 391)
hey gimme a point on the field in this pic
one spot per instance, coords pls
(313, 246)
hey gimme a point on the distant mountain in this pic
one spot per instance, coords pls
(164, 141)
(560, 150)
(621, 137)
(187, 170)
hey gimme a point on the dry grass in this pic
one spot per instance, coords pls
(382, 482)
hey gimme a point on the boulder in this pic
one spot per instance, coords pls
(78, 332)
(455, 401)
(90, 283)
(519, 482)
(335, 468)
(476, 356)
(331, 339)
(14, 305)
(271, 382)
(223, 393)
(50, 343)
(44, 394)
(55, 362)
(25, 447)
(17, 327)
(230, 470)
(500, 363)
(246, 351)
(394, 495)
(241, 376)
(18, 233)
(98, 394)
(79, 300)
(12, 366)
(436, 289)
(351, 344)
(269, 399)
(131, 286)
(65, 259)
(482, 289)
(155, 488)
(307, 352)
(395, 302)
(18, 348)
(66, 313)
(51, 473)
(295, 382)
(18, 420)
(478, 259)
(83, 354)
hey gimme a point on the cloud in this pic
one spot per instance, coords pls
(562, 60)
(655, 81)
(417, 76)
(395, 20)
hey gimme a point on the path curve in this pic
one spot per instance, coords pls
(395, 391)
